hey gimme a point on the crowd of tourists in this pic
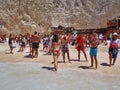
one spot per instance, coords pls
(56, 44)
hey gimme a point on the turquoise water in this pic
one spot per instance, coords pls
(31, 76)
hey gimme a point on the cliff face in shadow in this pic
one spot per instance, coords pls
(21, 16)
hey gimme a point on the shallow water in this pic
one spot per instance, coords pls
(32, 76)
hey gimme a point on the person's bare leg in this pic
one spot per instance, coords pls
(36, 52)
(63, 57)
(96, 62)
(110, 58)
(11, 49)
(79, 55)
(33, 52)
(68, 56)
(91, 61)
(22, 49)
(114, 61)
(55, 62)
(30, 50)
(85, 55)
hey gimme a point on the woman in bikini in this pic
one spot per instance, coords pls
(56, 44)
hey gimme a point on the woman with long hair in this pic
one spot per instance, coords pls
(56, 44)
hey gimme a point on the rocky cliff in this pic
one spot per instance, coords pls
(21, 16)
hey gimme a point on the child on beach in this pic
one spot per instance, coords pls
(23, 42)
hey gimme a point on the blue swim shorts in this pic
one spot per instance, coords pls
(93, 51)
(114, 52)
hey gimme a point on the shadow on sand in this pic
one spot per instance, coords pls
(76, 60)
(42, 51)
(86, 67)
(58, 62)
(7, 50)
(28, 56)
(104, 64)
(47, 54)
(8, 53)
(48, 68)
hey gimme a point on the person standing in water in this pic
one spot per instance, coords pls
(65, 48)
(113, 48)
(56, 45)
(93, 49)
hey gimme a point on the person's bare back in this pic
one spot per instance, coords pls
(36, 38)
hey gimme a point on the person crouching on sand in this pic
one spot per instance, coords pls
(93, 49)
(113, 48)
(56, 45)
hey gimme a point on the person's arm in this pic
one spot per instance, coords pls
(60, 43)
(118, 43)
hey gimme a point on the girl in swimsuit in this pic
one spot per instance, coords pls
(56, 50)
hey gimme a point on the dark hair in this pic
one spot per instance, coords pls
(55, 38)
(35, 32)
(10, 35)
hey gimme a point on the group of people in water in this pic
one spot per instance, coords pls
(56, 44)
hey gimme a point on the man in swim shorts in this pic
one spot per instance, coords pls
(35, 39)
(93, 49)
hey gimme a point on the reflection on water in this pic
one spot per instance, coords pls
(30, 76)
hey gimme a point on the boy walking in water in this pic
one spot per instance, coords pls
(93, 49)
